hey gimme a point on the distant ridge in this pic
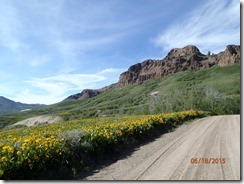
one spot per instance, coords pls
(188, 58)
(177, 60)
(9, 106)
(89, 93)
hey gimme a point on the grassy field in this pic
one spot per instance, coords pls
(63, 150)
(216, 89)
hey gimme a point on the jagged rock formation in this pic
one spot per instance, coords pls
(177, 60)
(89, 93)
(187, 58)
(86, 93)
(231, 55)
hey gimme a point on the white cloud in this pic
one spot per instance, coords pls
(58, 28)
(212, 26)
(27, 96)
(110, 70)
(62, 83)
(70, 48)
(55, 88)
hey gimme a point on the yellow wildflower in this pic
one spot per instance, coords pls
(8, 149)
(4, 159)
(15, 139)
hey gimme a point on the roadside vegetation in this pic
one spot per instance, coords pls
(63, 150)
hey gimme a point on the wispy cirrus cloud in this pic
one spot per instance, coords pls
(55, 88)
(62, 29)
(59, 39)
(56, 48)
(11, 28)
(211, 26)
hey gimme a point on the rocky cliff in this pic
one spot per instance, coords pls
(89, 93)
(231, 55)
(178, 59)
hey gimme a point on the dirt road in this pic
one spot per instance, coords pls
(169, 157)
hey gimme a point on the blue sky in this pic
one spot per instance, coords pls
(50, 49)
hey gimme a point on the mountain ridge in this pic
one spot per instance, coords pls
(9, 106)
(177, 60)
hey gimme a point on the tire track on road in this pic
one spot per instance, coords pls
(168, 157)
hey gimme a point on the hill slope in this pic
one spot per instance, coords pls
(204, 90)
(188, 58)
(8, 106)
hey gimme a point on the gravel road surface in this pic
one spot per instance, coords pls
(205, 149)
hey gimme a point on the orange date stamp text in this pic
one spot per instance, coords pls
(208, 161)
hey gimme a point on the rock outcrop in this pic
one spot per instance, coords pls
(177, 60)
(86, 93)
(89, 93)
(231, 55)
(187, 58)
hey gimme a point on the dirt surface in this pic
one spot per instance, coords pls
(38, 120)
(169, 156)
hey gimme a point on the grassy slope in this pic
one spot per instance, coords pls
(136, 99)
(9, 106)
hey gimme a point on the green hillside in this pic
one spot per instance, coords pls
(9, 106)
(215, 89)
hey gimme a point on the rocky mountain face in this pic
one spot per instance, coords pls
(9, 106)
(177, 60)
(187, 58)
(231, 55)
(86, 93)
(89, 93)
